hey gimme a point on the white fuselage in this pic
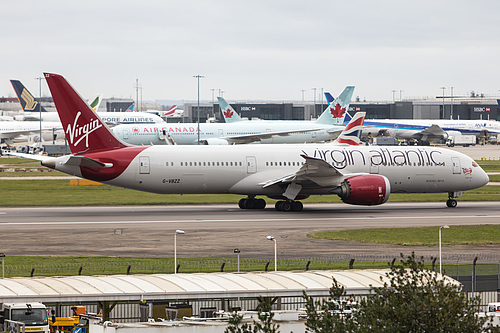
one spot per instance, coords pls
(10, 130)
(107, 117)
(187, 133)
(244, 169)
(408, 128)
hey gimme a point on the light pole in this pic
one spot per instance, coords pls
(271, 238)
(198, 77)
(40, 105)
(314, 91)
(440, 267)
(2, 257)
(444, 88)
(180, 232)
(213, 109)
(451, 112)
(237, 251)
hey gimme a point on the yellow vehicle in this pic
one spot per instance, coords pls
(66, 324)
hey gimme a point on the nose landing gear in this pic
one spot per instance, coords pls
(451, 202)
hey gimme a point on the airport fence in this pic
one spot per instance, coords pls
(457, 270)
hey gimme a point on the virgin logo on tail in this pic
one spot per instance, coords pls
(77, 133)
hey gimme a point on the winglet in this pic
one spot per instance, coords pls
(230, 116)
(351, 134)
(28, 102)
(84, 130)
(334, 113)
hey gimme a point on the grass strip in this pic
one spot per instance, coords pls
(487, 234)
(59, 192)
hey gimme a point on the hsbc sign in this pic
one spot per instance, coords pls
(481, 109)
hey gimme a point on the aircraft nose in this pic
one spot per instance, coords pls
(481, 178)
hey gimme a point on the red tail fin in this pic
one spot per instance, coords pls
(84, 130)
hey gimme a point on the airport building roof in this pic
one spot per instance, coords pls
(184, 286)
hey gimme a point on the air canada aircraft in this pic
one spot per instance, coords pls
(327, 127)
(360, 175)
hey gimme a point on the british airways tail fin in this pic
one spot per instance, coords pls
(334, 113)
(84, 130)
(351, 134)
(230, 116)
(28, 102)
(170, 112)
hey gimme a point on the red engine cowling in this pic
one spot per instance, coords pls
(364, 190)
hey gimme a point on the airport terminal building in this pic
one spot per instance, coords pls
(437, 108)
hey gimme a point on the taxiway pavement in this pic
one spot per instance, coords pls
(215, 230)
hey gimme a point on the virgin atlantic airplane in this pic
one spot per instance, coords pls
(360, 175)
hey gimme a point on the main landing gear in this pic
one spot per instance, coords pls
(282, 205)
(252, 203)
(451, 202)
(288, 206)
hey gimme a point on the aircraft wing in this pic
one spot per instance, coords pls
(87, 162)
(248, 138)
(433, 130)
(11, 134)
(315, 172)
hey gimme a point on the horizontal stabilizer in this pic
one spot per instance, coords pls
(87, 162)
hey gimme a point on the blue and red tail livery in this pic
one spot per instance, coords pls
(351, 134)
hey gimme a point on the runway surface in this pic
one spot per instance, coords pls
(214, 231)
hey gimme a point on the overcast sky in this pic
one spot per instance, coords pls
(253, 50)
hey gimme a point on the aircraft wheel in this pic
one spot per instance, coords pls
(452, 203)
(241, 203)
(260, 203)
(287, 206)
(250, 203)
(297, 206)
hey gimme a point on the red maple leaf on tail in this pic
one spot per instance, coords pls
(228, 113)
(337, 111)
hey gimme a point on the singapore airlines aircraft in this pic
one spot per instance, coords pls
(360, 175)
(31, 107)
(327, 127)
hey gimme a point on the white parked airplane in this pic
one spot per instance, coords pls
(18, 131)
(360, 175)
(427, 129)
(31, 107)
(327, 127)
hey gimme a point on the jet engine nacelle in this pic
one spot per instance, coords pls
(447, 134)
(364, 190)
(215, 141)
